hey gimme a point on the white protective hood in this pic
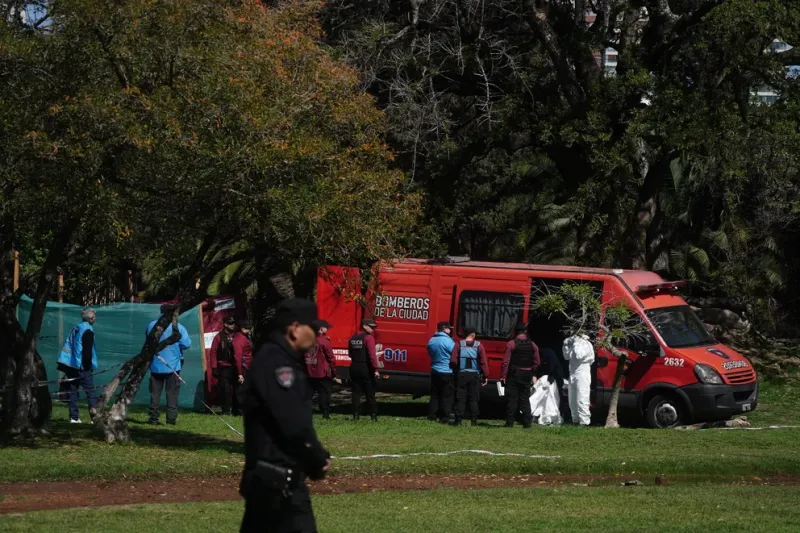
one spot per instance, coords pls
(578, 350)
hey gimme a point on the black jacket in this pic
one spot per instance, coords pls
(551, 366)
(276, 402)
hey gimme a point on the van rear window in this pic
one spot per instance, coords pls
(493, 314)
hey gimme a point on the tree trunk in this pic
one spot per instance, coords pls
(24, 414)
(634, 249)
(622, 361)
(548, 39)
(305, 282)
(275, 283)
(11, 338)
(21, 405)
(113, 422)
(41, 406)
(6, 370)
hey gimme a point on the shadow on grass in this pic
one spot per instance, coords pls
(184, 440)
(62, 433)
(392, 409)
(405, 406)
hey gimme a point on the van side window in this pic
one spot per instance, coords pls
(641, 341)
(548, 331)
(493, 314)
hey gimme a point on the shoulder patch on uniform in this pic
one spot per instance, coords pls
(285, 376)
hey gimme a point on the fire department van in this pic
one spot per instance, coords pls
(678, 373)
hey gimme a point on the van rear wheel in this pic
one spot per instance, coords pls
(664, 412)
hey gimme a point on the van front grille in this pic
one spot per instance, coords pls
(740, 377)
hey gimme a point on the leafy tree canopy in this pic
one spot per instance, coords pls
(530, 150)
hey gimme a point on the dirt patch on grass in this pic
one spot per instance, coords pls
(25, 497)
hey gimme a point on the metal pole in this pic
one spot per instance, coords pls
(202, 337)
(130, 286)
(16, 280)
(16, 270)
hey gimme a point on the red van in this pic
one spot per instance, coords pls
(679, 373)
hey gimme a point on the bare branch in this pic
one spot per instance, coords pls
(112, 59)
(537, 20)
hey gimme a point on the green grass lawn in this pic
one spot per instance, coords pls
(620, 509)
(201, 445)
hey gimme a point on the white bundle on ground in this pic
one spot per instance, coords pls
(545, 403)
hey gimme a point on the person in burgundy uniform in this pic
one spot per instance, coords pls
(224, 368)
(321, 367)
(243, 349)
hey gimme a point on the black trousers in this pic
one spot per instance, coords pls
(362, 383)
(441, 403)
(518, 396)
(157, 383)
(468, 389)
(322, 386)
(228, 389)
(271, 512)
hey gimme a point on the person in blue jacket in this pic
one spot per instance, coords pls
(162, 375)
(77, 361)
(439, 349)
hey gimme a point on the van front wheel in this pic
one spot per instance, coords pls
(664, 412)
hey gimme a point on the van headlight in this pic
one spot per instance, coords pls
(706, 374)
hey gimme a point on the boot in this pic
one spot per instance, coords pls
(474, 421)
(356, 418)
(457, 422)
(374, 418)
(326, 415)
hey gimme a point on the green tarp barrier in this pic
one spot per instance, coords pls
(119, 333)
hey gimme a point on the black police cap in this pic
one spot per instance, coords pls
(320, 323)
(296, 310)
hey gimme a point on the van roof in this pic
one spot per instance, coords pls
(632, 278)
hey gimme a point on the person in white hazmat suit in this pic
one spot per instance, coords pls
(578, 350)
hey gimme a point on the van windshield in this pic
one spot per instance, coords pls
(680, 327)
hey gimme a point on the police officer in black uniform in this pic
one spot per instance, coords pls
(281, 446)
(517, 376)
(363, 369)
